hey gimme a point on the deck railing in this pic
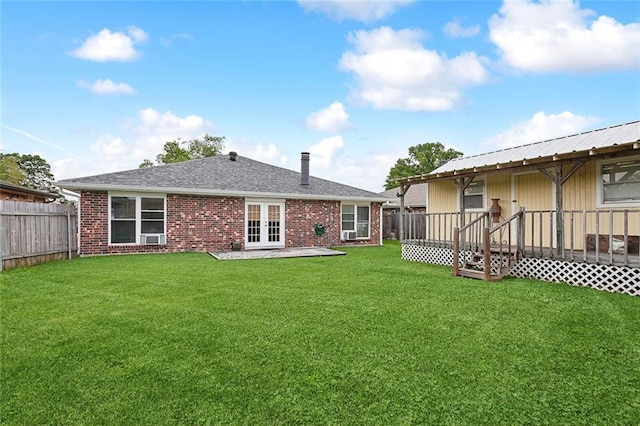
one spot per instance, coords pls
(593, 236)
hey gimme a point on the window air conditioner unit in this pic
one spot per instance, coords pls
(348, 235)
(153, 239)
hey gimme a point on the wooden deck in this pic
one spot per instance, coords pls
(575, 255)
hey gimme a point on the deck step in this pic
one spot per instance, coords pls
(479, 275)
(505, 251)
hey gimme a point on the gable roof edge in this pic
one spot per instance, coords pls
(217, 192)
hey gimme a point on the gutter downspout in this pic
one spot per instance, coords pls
(69, 239)
(380, 218)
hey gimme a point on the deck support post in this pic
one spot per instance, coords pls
(486, 248)
(456, 251)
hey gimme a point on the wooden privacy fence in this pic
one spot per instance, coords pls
(33, 233)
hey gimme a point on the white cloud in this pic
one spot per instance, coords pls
(324, 152)
(153, 129)
(333, 160)
(137, 35)
(168, 41)
(455, 29)
(553, 35)
(359, 10)
(108, 147)
(140, 138)
(541, 127)
(107, 87)
(333, 119)
(112, 46)
(395, 71)
(267, 154)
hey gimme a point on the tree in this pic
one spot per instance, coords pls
(173, 152)
(33, 171)
(423, 158)
(208, 146)
(10, 170)
(38, 173)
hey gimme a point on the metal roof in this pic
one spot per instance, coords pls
(220, 175)
(584, 144)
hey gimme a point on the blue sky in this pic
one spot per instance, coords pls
(95, 87)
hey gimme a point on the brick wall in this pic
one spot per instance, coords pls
(203, 223)
(94, 225)
(302, 215)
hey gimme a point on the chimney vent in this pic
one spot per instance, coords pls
(304, 168)
(233, 156)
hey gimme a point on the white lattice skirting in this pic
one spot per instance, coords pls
(616, 279)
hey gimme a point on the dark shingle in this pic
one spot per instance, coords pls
(219, 174)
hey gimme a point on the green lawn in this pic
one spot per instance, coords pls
(359, 339)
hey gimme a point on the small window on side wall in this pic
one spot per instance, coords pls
(355, 221)
(621, 182)
(474, 195)
(137, 219)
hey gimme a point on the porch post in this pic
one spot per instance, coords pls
(403, 190)
(559, 179)
(559, 213)
(462, 184)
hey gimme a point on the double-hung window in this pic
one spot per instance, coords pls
(136, 219)
(355, 220)
(621, 182)
(474, 195)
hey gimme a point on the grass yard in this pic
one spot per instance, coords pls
(359, 339)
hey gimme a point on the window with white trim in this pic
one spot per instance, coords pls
(474, 195)
(355, 218)
(133, 217)
(620, 182)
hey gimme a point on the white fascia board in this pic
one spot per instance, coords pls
(213, 192)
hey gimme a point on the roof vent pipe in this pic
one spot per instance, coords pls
(233, 156)
(304, 169)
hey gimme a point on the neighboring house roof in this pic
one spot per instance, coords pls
(220, 175)
(8, 187)
(416, 196)
(614, 140)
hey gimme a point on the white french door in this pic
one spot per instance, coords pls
(264, 224)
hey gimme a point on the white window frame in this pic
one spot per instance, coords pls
(355, 206)
(138, 216)
(484, 196)
(600, 203)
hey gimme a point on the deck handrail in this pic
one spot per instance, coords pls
(602, 236)
(503, 256)
(485, 215)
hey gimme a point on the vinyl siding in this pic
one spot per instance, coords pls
(442, 197)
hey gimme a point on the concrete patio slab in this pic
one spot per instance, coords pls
(275, 253)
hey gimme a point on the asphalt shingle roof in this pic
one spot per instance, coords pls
(416, 196)
(220, 175)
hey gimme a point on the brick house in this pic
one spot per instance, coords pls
(213, 203)
(13, 192)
